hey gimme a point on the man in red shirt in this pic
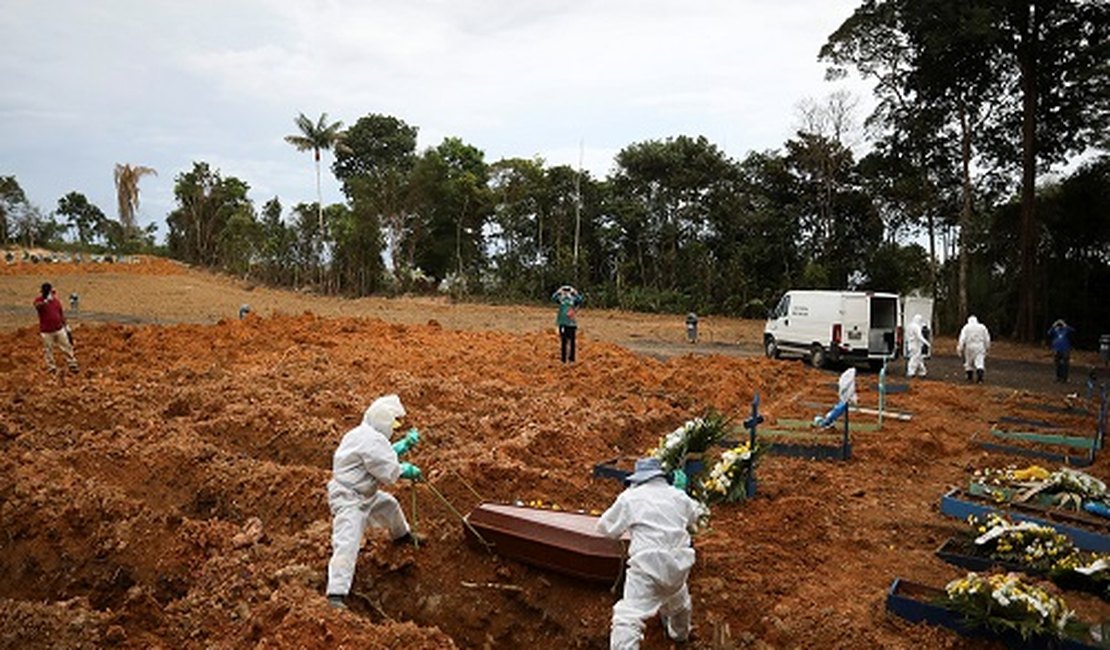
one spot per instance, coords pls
(52, 327)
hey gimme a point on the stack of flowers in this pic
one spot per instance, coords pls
(1065, 486)
(1036, 546)
(1070, 481)
(693, 437)
(1041, 549)
(727, 481)
(1005, 604)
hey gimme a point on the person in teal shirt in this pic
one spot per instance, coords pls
(569, 299)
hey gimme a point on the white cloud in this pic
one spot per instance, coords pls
(165, 84)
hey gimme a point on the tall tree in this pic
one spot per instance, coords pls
(21, 220)
(561, 214)
(375, 166)
(206, 202)
(84, 217)
(316, 137)
(935, 64)
(308, 243)
(1074, 256)
(1061, 52)
(13, 202)
(518, 188)
(357, 258)
(957, 80)
(662, 194)
(127, 179)
(1003, 76)
(453, 202)
(240, 243)
(277, 255)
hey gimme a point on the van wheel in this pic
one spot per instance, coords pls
(772, 348)
(818, 357)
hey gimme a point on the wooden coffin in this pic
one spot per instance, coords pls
(563, 542)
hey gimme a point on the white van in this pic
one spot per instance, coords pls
(834, 326)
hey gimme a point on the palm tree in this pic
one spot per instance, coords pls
(317, 137)
(127, 192)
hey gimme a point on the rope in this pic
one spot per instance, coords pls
(415, 538)
(620, 572)
(489, 547)
(472, 490)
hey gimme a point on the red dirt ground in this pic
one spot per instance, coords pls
(172, 494)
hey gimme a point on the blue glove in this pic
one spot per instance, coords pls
(412, 436)
(679, 479)
(411, 472)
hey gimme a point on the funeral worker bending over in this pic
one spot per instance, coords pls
(658, 518)
(364, 461)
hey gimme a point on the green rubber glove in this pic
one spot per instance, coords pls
(679, 479)
(412, 436)
(411, 472)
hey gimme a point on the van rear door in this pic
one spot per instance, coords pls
(884, 322)
(853, 322)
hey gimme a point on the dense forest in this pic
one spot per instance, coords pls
(985, 183)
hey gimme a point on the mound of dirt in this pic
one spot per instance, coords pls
(44, 262)
(173, 493)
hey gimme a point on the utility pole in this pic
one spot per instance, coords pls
(577, 209)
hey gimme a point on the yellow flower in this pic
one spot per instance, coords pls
(1033, 472)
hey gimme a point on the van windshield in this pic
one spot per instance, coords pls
(783, 307)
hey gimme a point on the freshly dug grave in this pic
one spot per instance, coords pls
(172, 494)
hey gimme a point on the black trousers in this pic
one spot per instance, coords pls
(567, 334)
(1061, 359)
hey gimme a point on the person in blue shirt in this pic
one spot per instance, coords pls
(569, 299)
(1059, 337)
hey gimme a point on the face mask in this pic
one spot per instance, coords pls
(396, 423)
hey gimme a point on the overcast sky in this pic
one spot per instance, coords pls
(88, 84)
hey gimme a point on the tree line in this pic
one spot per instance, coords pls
(975, 101)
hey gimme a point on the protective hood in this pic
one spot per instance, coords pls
(917, 320)
(971, 320)
(383, 412)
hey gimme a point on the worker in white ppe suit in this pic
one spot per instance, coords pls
(915, 344)
(364, 461)
(974, 343)
(658, 518)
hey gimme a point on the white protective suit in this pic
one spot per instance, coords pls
(658, 517)
(915, 341)
(974, 343)
(364, 460)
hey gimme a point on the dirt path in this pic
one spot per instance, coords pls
(168, 293)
